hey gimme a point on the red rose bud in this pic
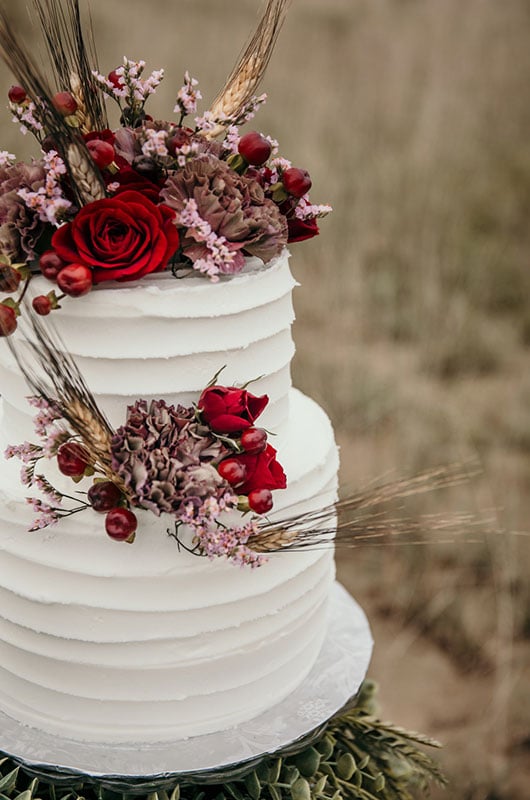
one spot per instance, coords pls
(65, 103)
(233, 471)
(254, 440)
(301, 229)
(104, 496)
(50, 264)
(75, 280)
(9, 278)
(42, 305)
(296, 181)
(121, 524)
(73, 459)
(17, 95)
(102, 153)
(260, 500)
(230, 410)
(8, 320)
(254, 148)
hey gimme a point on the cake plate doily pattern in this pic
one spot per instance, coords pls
(335, 677)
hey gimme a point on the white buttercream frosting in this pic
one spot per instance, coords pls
(103, 641)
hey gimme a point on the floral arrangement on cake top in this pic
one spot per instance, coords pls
(190, 194)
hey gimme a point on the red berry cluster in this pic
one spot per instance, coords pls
(73, 280)
(255, 150)
(73, 460)
(235, 471)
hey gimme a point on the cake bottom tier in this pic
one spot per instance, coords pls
(106, 642)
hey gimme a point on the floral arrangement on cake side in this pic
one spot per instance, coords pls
(194, 463)
(193, 194)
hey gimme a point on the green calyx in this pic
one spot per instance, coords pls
(354, 757)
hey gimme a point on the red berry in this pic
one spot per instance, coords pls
(65, 103)
(50, 264)
(72, 459)
(17, 95)
(102, 153)
(254, 440)
(42, 305)
(8, 320)
(260, 500)
(115, 79)
(254, 148)
(104, 496)
(9, 278)
(75, 280)
(232, 471)
(296, 181)
(121, 524)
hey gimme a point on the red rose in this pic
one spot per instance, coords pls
(300, 229)
(230, 410)
(129, 180)
(263, 471)
(120, 238)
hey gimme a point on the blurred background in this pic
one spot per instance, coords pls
(413, 315)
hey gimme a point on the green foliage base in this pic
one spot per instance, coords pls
(353, 757)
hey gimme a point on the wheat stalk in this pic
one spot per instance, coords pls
(86, 123)
(364, 518)
(241, 84)
(88, 182)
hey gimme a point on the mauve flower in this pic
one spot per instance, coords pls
(20, 227)
(235, 207)
(164, 456)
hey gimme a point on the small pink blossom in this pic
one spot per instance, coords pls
(6, 158)
(46, 514)
(187, 96)
(220, 257)
(49, 200)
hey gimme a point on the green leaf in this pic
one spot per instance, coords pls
(9, 781)
(364, 763)
(300, 790)
(346, 766)
(320, 785)
(23, 795)
(253, 786)
(379, 783)
(325, 747)
(234, 792)
(175, 794)
(308, 762)
(275, 770)
(290, 774)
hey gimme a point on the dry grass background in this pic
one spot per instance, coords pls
(413, 328)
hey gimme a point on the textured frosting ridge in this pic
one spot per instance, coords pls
(107, 642)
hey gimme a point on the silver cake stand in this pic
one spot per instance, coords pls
(334, 679)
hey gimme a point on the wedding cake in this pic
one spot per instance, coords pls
(147, 326)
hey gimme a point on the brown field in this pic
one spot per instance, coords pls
(413, 328)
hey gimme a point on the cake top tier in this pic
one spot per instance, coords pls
(117, 203)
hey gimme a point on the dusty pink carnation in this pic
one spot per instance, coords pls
(164, 455)
(234, 206)
(20, 227)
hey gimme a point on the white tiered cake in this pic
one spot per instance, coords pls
(107, 642)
